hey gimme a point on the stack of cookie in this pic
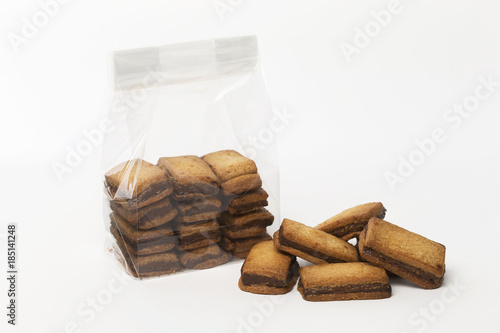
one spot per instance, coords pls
(244, 218)
(142, 217)
(196, 190)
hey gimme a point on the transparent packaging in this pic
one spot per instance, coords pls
(184, 188)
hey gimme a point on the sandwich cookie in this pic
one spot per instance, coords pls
(349, 223)
(268, 271)
(237, 173)
(247, 202)
(137, 183)
(313, 245)
(343, 281)
(205, 257)
(147, 217)
(190, 174)
(404, 253)
(198, 235)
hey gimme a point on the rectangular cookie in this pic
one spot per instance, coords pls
(205, 257)
(137, 183)
(349, 223)
(190, 174)
(241, 184)
(208, 204)
(404, 253)
(313, 245)
(343, 281)
(150, 216)
(236, 232)
(258, 218)
(157, 264)
(229, 164)
(243, 244)
(268, 271)
(199, 235)
(158, 245)
(133, 235)
(237, 173)
(195, 218)
(247, 202)
(190, 197)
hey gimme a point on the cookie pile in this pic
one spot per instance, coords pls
(141, 217)
(343, 271)
(165, 217)
(244, 219)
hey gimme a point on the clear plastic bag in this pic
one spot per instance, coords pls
(186, 101)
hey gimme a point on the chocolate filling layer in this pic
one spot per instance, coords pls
(250, 224)
(247, 206)
(144, 195)
(144, 245)
(353, 288)
(158, 267)
(199, 209)
(417, 272)
(314, 253)
(354, 227)
(199, 236)
(208, 189)
(152, 238)
(255, 279)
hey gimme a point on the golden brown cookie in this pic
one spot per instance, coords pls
(196, 218)
(349, 223)
(258, 218)
(208, 204)
(243, 244)
(158, 245)
(193, 236)
(236, 232)
(151, 265)
(241, 184)
(137, 183)
(343, 281)
(237, 173)
(190, 197)
(247, 202)
(205, 257)
(313, 245)
(134, 235)
(229, 164)
(150, 216)
(268, 271)
(404, 253)
(190, 174)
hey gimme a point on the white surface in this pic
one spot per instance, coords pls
(352, 122)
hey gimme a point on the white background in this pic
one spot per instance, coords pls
(352, 123)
